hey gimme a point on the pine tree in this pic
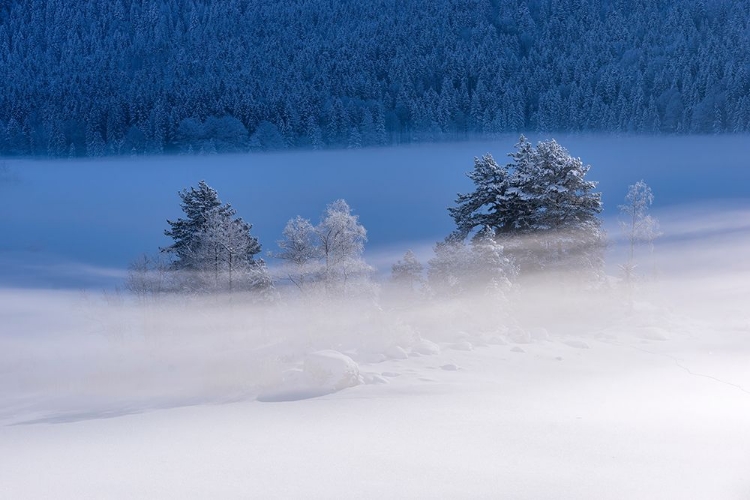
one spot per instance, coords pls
(213, 249)
(539, 206)
(197, 204)
(447, 270)
(407, 273)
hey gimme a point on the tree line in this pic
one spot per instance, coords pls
(96, 77)
(536, 215)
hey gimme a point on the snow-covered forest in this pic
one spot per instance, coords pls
(97, 77)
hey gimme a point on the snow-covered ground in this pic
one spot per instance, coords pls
(575, 397)
(620, 419)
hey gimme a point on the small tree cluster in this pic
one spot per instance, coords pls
(328, 255)
(213, 249)
(406, 274)
(539, 206)
(458, 268)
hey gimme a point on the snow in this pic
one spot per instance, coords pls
(577, 344)
(615, 422)
(323, 372)
(425, 347)
(462, 346)
(396, 352)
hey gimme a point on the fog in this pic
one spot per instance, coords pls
(75, 355)
(554, 387)
(78, 223)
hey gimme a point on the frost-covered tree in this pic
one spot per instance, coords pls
(329, 254)
(407, 273)
(489, 205)
(342, 241)
(213, 249)
(299, 251)
(148, 277)
(539, 206)
(197, 204)
(447, 270)
(224, 253)
(482, 266)
(490, 269)
(639, 227)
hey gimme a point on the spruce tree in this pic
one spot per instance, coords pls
(540, 206)
(213, 249)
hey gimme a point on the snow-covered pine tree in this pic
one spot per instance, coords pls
(197, 204)
(562, 210)
(539, 206)
(407, 273)
(213, 249)
(488, 205)
(224, 251)
(490, 270)
(447, 271)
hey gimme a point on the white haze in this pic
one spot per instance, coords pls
(567, 392)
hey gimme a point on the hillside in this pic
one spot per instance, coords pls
(95, 77)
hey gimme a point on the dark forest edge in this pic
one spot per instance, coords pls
(94, 77)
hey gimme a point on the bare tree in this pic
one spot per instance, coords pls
(639, 227)
(329, 253)
(299, 251)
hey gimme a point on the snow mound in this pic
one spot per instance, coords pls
(294, 386)
(498, 341)
(373, 378)
(462, 346)
(371, 357)
(396, 352)
(519, 336)
(517, 349)
(576, 344)
(451, 367)
(653, 333)
(424, 346)
(323, 372)
(539, 333)
(331, 369)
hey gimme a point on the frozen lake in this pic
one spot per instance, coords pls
(78, 223)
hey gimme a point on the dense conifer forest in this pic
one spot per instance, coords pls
(97, 77)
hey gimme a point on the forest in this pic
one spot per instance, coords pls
(103, 77)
